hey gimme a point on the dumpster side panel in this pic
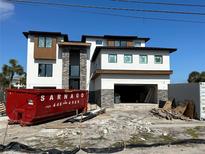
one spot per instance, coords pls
(19, 105)
(51, 104)
(32, 106)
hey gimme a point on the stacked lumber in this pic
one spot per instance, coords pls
(2, 109)
(184, 110)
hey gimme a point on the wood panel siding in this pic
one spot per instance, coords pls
(45, 53)
(130, 43)
(132, 72)
(111, 43)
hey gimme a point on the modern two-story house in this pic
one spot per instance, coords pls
(114, 69)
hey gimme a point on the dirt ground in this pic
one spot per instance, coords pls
(124, 124)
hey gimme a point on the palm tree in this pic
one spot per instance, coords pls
(9, 71)
(194, 77)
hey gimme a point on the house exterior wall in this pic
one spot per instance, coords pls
(65, 69)
(33, 80)
(98, 63)
(108, 81)
(90, 66)
(83, 66)
(135, 65)
(190, 91)
(101, 89)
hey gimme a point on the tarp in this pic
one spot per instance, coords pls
(18, 147)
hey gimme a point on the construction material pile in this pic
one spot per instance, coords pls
(183, 110)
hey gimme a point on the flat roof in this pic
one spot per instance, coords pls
(126, 37)
(46, 33)
(98, 49)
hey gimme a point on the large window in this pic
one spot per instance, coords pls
(45, 70)
(137, 44)
(123, 43)
(99, 42)
(44, 42)
(128, 58)
(158, 59)
(143, 59)
(112, 58)
(74, 70)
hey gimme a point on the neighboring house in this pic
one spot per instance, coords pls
(113, 68)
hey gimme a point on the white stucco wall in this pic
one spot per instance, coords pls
(32, 69)
(90, 52)
(108, 81)
(135, 65)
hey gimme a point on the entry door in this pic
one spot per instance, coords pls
(74, 84)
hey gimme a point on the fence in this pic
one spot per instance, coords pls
(2, 96)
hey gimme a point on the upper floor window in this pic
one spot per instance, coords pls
(128, 58)
(99, 42)
(123, 43)
(117, 43)
(45, 70)
(137, 44)
(44, 42)
(143, 59)
(158, 59)
(112, 58)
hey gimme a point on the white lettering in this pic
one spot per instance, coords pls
(77, 95)
(71, 96)
(58, 97)
(65, 96)
(64, 102)
(82, 95)
(51, 97)
(42, 98)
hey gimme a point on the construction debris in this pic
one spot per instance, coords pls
(184, 110)
(86, 116)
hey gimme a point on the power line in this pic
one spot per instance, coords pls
(160, 3)
(146, 18)
(108, 8)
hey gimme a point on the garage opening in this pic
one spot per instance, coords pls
(135, 93)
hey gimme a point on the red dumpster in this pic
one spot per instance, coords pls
(30, 106)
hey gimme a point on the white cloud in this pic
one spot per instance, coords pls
(6, 9)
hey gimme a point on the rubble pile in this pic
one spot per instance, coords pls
(184, 110)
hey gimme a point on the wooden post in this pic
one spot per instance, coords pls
(5, 134)
(80, 128)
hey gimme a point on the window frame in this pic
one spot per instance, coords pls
(112, 54)
(146, 58)
(45, 39)
(131, 58)
(158, 56)
(45, 73)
